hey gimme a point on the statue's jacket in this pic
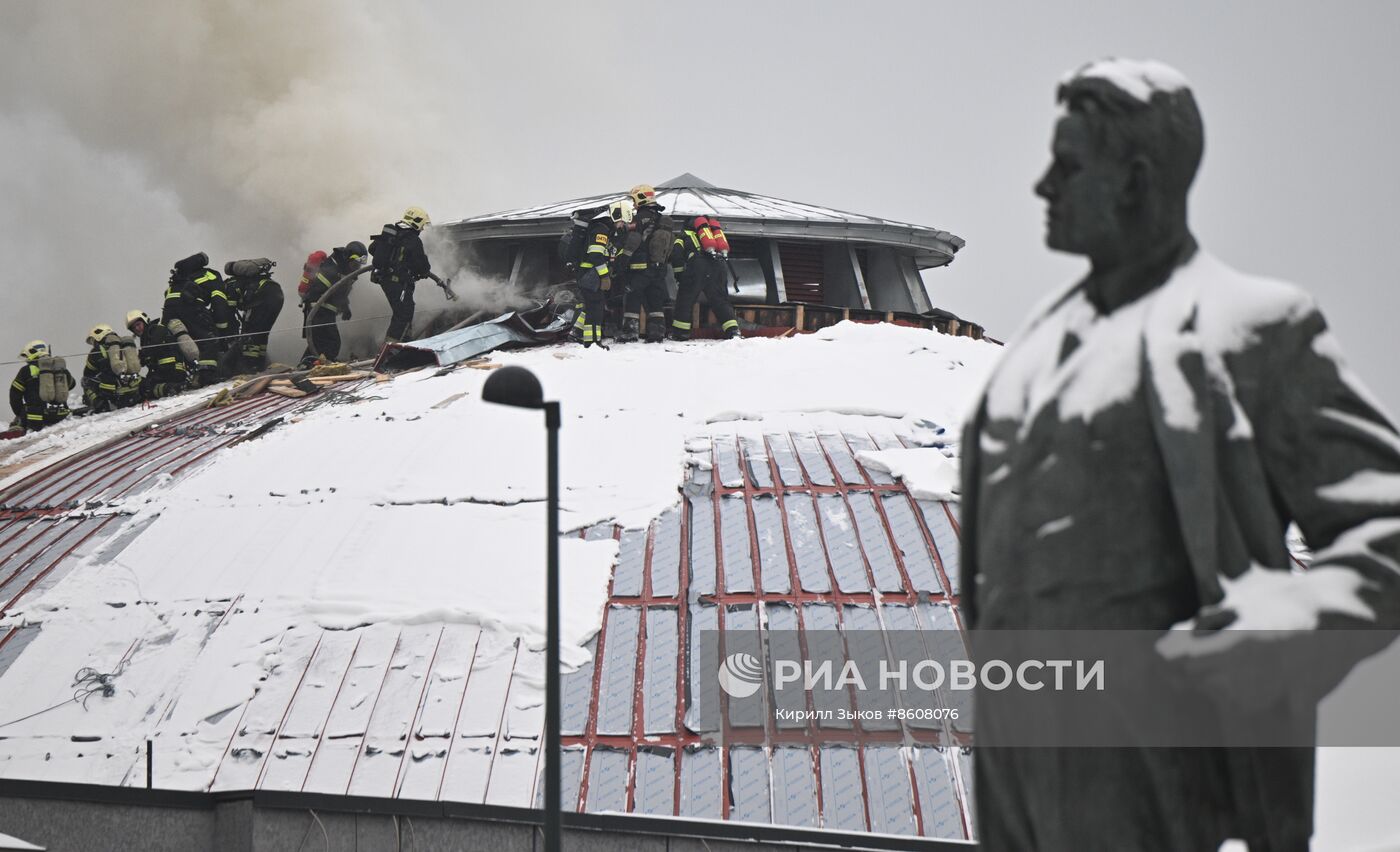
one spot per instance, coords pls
(1259, 424)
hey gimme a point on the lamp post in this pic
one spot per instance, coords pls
(518, 387)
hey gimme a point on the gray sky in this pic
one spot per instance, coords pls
(135, 137)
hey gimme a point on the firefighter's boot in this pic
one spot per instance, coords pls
(630, 330)
(656, 326)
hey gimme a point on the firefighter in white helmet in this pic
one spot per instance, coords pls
(595, 269)
(399, 264)
(167, 365)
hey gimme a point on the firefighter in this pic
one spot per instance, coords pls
(318, 324)
(223, 310)
(167, 366)
(700, 260)
(400, 263)
(595, 270)
(644, 256)
(39, 392)
(259, 302)
(190, 298)
(111, 375)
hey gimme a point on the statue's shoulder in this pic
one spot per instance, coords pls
(1230, 306)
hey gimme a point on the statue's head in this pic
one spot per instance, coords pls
(1126, 149)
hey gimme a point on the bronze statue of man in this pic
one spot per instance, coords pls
(1135, 463)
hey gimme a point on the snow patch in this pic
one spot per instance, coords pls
(1140, 78)
(926, 472)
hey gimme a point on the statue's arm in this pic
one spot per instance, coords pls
(1333, 460)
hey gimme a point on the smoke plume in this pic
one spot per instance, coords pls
(137, 133)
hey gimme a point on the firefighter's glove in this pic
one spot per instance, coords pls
(345, 315)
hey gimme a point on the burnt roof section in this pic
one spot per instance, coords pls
(744, 214)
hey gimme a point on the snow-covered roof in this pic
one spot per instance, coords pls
(343, 593)
(742, 213)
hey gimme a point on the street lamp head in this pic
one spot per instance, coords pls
(514, 386)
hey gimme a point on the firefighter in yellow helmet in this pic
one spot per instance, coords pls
(644, 255)
(399, 264)
(112, 372)
(39, 392)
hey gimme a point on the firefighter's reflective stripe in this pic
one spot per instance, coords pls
(680, 324)
(33, 416)
(589, 331)
(729, 324)
(163, 361)
(323, 279)
(641, 266)
(207, 276)
(598, 264)
(17, 385)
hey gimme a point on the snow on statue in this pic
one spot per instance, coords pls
(1135, 463)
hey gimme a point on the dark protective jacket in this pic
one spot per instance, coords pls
(598, 249)
(398, 255)
(260, 294)
(223, 309)
(190, 299)
(690, 242)
(161, 355)
(260, 300)
(1258, 424)
(24, 397)
(639, 253)
(333, 268)
(98, 378)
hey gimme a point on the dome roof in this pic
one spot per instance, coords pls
(743, 214)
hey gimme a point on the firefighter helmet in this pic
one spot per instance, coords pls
(416, 217)
(642, 194)
(34, 349)
(355, 250)
(622, 211)
(133, 316)
(99, 332)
